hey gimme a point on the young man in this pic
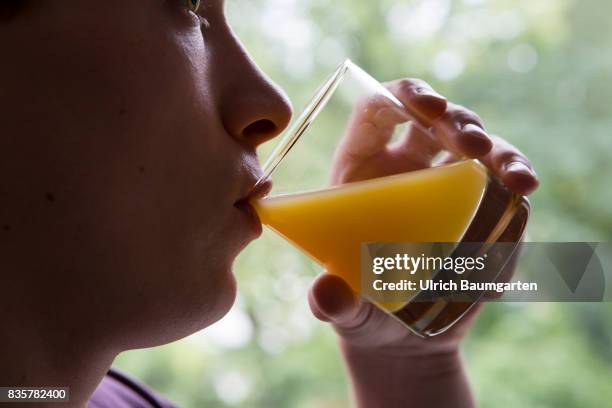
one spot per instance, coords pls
(128, 139)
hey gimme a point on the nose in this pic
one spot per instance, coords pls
(253, 109)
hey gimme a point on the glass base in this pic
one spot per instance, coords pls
(501, 217)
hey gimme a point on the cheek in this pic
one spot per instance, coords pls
(131, 147)
(173, 184)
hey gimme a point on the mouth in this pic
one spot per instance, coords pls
(256, 191)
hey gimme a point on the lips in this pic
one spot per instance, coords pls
(253, 219)
(244, 204)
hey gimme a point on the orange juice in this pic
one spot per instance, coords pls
(430, 205)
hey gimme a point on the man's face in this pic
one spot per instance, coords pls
(127, 134)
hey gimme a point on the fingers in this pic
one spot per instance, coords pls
(417, 146)
(511, 166)
(370, 128)
(425, 104)
(448, 158)
(461, 131)
(332, 300)
(463, 135)
(358, 322)
(441, 125)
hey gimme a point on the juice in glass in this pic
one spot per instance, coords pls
(432, 205)
(439, 204)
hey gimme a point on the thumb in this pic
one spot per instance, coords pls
(332, 300)
(359, 322)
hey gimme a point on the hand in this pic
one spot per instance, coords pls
(370, 339)
(364, 151)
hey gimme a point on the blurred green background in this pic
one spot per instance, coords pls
(540, 74)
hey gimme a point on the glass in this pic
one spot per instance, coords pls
(460, 202)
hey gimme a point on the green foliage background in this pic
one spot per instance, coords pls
(540, 74)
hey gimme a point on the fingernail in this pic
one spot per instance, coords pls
(475, 131)
(472, 127)
(430, 92)
(334, 297)
(430, 104)
(519, 168)
(475, 140)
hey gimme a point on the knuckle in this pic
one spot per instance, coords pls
(505, 152)
(411, 85)
(363, 326)
(370, 106)
(463, 115)
(504, 148)
(507, 155)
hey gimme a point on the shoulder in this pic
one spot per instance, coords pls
(117, 390)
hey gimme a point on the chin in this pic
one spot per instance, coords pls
(187, 309)
(215, 300)
(223, 298)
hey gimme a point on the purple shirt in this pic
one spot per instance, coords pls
(119, 391)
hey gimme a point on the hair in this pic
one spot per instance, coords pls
(11, 8)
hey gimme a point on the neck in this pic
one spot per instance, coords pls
(51, 357)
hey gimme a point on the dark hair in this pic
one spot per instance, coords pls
(10, 8)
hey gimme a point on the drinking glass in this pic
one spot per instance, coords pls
(459, 202)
